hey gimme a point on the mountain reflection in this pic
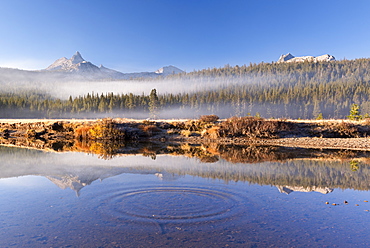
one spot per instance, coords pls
(288, 169)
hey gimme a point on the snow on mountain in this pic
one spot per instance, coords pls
(168, 70)
(289, 189)
(77, 64)
(325, 57)
(286, 57)
(290, 58)
(59, 64)
(77, 58)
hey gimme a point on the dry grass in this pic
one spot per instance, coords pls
(82, 132)
(186, 133)
(337, 130)
(172, 131)
(252, 127)
(31, 134)
(149, 129)
(366, 122)
(209, 118)
(212, 133)
(105, 129)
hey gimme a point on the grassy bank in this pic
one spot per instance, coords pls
(206, 129)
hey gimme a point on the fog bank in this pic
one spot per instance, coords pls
(63, 88)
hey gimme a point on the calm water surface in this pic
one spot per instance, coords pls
(79, 200)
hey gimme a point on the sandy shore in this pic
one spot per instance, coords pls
(323, 143)
(362, 144)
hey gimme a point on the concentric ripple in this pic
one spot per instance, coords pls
(170, 204)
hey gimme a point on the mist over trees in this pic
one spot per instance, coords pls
(280, 90)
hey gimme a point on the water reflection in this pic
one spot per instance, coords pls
(302, 170)
(289, 189)
(206, 152)
(165, 196)
(168, 204)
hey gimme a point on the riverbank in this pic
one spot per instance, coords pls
(322, 134)
(361, 144)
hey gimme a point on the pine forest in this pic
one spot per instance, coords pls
(304, 90)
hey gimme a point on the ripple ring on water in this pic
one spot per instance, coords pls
(172, 204)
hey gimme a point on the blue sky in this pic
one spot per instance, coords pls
(144, 35)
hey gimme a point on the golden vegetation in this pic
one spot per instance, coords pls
(104, 149)
(105, 129)
(340, 130)
(209, 118)
(107, 136)
(186, 133)
(82, 132)
(252, 127)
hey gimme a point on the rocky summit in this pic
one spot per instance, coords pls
(74, 69)
(78, 65)
(75, 64)
(290, 58)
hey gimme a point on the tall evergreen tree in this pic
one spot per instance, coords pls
(354, 113)
(153, 104)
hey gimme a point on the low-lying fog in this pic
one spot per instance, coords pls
(63, 88)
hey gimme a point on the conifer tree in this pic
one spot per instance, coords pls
(153, 103)
(354, 113)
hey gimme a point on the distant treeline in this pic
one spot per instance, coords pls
(280, 90)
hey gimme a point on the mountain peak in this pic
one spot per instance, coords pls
(168, 70)
(285, 57)
(73, 64)
(77, 64)
(77, 58)
(290, 58)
